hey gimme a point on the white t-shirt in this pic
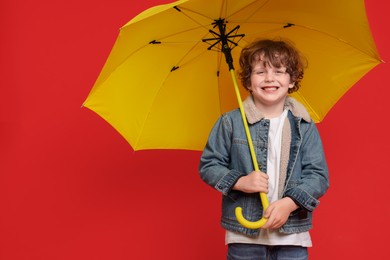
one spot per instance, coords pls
(272, 236)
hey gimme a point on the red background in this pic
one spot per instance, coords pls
(72, 188)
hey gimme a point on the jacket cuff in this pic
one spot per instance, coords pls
(228, 181)
(302, 199)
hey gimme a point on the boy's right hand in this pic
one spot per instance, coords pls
(255, 181)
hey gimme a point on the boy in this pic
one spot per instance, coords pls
(288, 147)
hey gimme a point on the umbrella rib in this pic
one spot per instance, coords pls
(335, 37)
(245, 7)
(307, 104)
(309, 28)
(179, 64)
(158, 41)
(181, 9)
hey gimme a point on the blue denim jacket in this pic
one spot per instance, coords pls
(226, 158)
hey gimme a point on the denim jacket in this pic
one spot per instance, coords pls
(303, 176)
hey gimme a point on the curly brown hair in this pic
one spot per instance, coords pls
(272, 52)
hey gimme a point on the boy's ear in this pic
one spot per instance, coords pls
(291, 85)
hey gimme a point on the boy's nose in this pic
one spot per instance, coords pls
(269, 76)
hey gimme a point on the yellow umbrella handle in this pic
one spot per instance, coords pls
(264, 200)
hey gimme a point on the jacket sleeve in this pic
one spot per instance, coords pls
(215, 159)
(314, 177)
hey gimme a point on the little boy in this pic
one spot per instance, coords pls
(288, 147)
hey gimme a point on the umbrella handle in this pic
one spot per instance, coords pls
(253, 224)
(263, 197)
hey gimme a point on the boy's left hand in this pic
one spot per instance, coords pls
(278, 212)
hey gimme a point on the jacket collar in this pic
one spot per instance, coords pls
(253, 114)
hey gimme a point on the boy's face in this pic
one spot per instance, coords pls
(269, 85)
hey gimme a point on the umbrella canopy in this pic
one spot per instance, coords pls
(165, 83)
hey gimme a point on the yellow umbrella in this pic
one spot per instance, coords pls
(170, 74)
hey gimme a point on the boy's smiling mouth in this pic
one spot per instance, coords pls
(270, 88)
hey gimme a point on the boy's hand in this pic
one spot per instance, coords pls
(278, 212)
(255, 181)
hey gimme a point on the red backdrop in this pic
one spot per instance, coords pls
(72, 188)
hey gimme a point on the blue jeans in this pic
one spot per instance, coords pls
(261, 252)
